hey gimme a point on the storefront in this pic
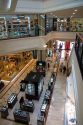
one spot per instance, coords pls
(64, 47)
(14, 26)
(12, 64)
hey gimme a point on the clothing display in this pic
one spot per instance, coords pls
(12, 100)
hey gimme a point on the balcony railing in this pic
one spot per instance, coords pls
(16, 35)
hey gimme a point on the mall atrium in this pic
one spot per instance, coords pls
(41, 62)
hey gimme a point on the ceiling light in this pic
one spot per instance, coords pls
(73, 13)
(45, 46)
(75, 10)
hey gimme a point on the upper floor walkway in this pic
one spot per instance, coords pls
(31, 43)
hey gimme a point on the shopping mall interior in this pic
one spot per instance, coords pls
(41, 62)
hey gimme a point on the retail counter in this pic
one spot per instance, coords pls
(12, 100)
(28, 106)
(21, 116)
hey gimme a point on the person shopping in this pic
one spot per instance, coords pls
(21, 101)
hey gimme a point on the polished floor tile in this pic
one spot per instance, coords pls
(56, 111)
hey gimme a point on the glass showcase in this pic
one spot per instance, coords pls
(34, 85)
(30, 88)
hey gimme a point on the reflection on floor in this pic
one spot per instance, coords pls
(56, 111)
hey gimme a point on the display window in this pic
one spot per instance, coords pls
(30, 88)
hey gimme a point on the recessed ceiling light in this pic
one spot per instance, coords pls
(45, 46)
(75, 10)
(73, 13)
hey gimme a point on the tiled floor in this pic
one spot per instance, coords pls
(56, 111)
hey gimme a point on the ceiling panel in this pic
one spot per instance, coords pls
(68, 12)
